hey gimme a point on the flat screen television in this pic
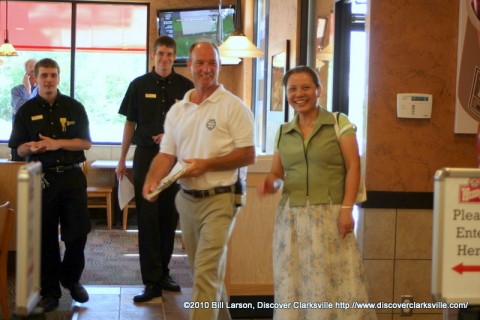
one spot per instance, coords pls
(187, 25)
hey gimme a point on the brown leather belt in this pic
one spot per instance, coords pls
(209, 192)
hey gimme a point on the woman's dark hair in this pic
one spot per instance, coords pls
(303, 69)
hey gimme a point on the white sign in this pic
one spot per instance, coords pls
(29, 204)
(456, 236)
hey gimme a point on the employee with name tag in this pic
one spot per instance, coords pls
(53, 128)
(145, 105)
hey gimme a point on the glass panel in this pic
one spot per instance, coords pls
(40, 25)
(259, 86)
(103, 27)
(359, 7)
(357, 106)
(109, 37)
(37, 30)
(114, 38)
(100, 84)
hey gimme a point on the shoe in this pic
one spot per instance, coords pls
(48, 303)
(167, 283)
(78, 292)
(150, 292)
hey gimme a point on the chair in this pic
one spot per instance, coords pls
(100, 196)
(129, 205)
(7, 216)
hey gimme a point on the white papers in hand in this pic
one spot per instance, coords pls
(177, 171)
(126, 192)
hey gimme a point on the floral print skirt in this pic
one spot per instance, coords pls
(317, 274)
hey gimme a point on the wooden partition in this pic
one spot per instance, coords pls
(8, 190)
(249, 264)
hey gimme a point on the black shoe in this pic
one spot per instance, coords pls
(169, 284)
(150, 292)
(48, 303)
(78, 292)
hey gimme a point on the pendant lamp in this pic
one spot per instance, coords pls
(237, 44)
(223, 59)
(7, 49)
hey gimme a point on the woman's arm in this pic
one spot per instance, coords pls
(349, 147)
(276, 173)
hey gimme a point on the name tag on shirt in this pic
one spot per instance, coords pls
(39, 117)
(150, 95)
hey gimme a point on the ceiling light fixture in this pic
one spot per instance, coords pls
(237, 44)
(224, 60)
(7, 49)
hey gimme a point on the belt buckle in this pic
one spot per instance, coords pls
(59, 169)
(201, 194)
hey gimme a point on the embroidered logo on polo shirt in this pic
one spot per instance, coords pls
(211, 124)
(63, 122)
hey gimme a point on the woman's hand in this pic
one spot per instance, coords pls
(270, 184)
(346, 223)
(274, 180)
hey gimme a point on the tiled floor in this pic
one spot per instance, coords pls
(115, 303)
(111, 302)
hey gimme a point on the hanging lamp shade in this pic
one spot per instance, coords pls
(237, 44)
(224, 60)
(7, 49)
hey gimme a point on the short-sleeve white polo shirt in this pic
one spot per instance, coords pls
(214, 128)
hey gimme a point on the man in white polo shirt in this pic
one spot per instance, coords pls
(211, 132)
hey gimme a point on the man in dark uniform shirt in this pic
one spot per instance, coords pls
(145, 105)
(53, 128)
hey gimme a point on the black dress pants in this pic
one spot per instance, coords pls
(157, 221)
(64, 202)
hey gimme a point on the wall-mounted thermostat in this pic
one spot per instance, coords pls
(414, 105)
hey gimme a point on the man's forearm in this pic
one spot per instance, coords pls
(238, 158)
(128, 131)
(160, 167)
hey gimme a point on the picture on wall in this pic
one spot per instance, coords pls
(467, 109)
(278, 70)
(322, 32)
(280, 65)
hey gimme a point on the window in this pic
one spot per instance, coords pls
(357, 73)
(342, 65)
(259, 93)
(343, 78)
(98, 58)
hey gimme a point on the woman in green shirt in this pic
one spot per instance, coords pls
(316, 259)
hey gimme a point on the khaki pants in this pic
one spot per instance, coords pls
(206, 227)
